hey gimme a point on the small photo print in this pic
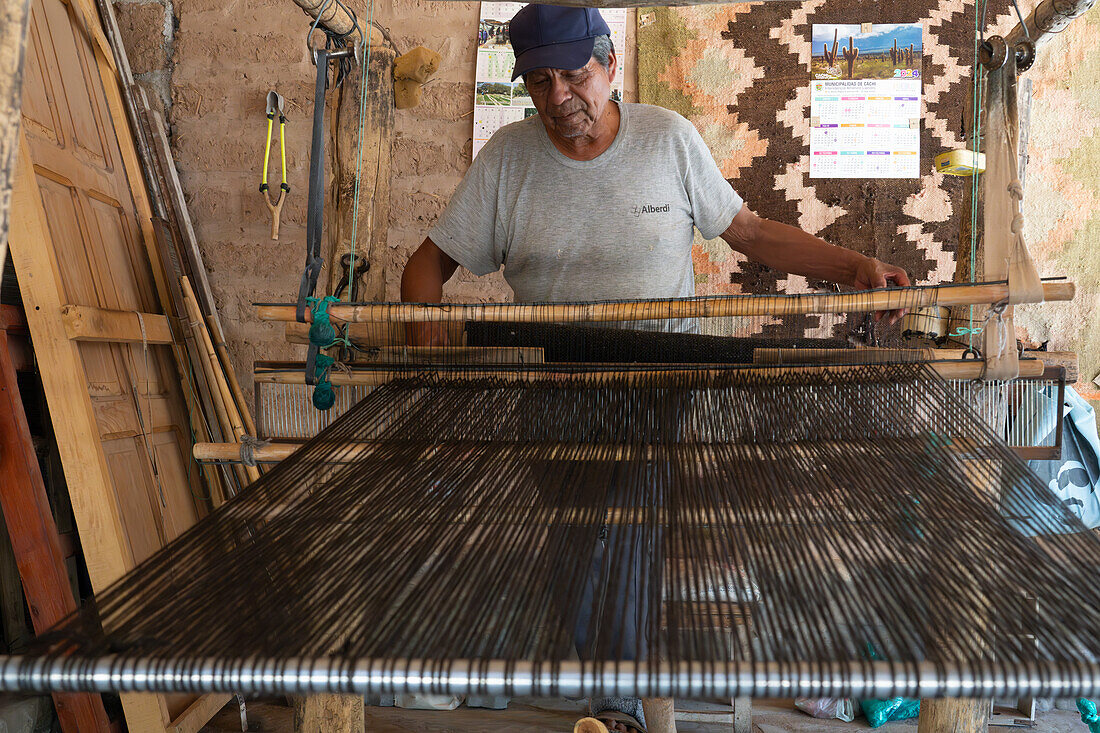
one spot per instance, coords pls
(493, 34)
(494, 93)
(887, 51)
(520, 96)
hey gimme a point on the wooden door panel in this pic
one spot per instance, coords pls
(112, 255)
(138, 500)
(39, 110)
(115, 417)
(67, 235)
(172, 460)
(70, 49)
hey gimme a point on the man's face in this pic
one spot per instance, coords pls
(570, 102)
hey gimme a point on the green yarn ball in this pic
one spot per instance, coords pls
(322, 333)
(323, 396)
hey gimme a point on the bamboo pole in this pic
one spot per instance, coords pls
(968, 369)
(223, 401)
(646, 310)
(230, 373)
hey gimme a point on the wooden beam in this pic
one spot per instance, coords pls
(1048, 18)
(1065, 359)
(329, 714)
(373, 127)
(199, 713)
(750, 305)
(88, 323)
(34, 538)
(949, 715)
(14, 20)
(348, 452)
(969, 369)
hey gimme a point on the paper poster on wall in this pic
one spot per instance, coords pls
(865, 100)
(497, 99)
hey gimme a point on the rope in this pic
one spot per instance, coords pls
(359, 156)
(249, 445)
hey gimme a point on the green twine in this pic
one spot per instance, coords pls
(975, 138)
(1089, 717)
(359, 152)
(323, 395)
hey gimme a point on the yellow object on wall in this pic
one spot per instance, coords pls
(960, 162)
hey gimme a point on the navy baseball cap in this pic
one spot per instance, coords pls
(551, 36)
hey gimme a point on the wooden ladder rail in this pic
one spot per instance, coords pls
(30, 524)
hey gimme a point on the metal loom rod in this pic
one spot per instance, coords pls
(596, 373)
(267, 676)
(646, 310)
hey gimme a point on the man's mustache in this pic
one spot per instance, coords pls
(566, 111)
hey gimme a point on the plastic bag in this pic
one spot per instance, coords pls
(880, 712)
(830, 708)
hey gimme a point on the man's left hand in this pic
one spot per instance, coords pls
(871, 274)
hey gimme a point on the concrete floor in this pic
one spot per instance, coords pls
(529, 715)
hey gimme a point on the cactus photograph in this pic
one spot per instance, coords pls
(887, 51)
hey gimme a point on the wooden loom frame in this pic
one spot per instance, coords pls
(1054, 13)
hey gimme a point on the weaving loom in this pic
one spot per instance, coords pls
(437, 537)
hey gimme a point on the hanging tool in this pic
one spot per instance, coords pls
(275, 106)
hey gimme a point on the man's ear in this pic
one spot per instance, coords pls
(612, 65)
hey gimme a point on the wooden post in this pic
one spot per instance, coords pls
(373, 212)
(14, 18)
(953, 716)
(33, 534)
(660, 714)
(329, 714)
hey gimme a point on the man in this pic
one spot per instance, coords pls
(596, 200)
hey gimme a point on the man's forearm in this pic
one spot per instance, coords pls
(425, 273)
(789, 249)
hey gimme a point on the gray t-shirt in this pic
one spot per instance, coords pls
(616, 227)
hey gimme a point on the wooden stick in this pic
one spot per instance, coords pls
(241, 403)
(223, 400)
(348, 452)
(749, 305)
(371, 335)
(433, 354)
(969, 369)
